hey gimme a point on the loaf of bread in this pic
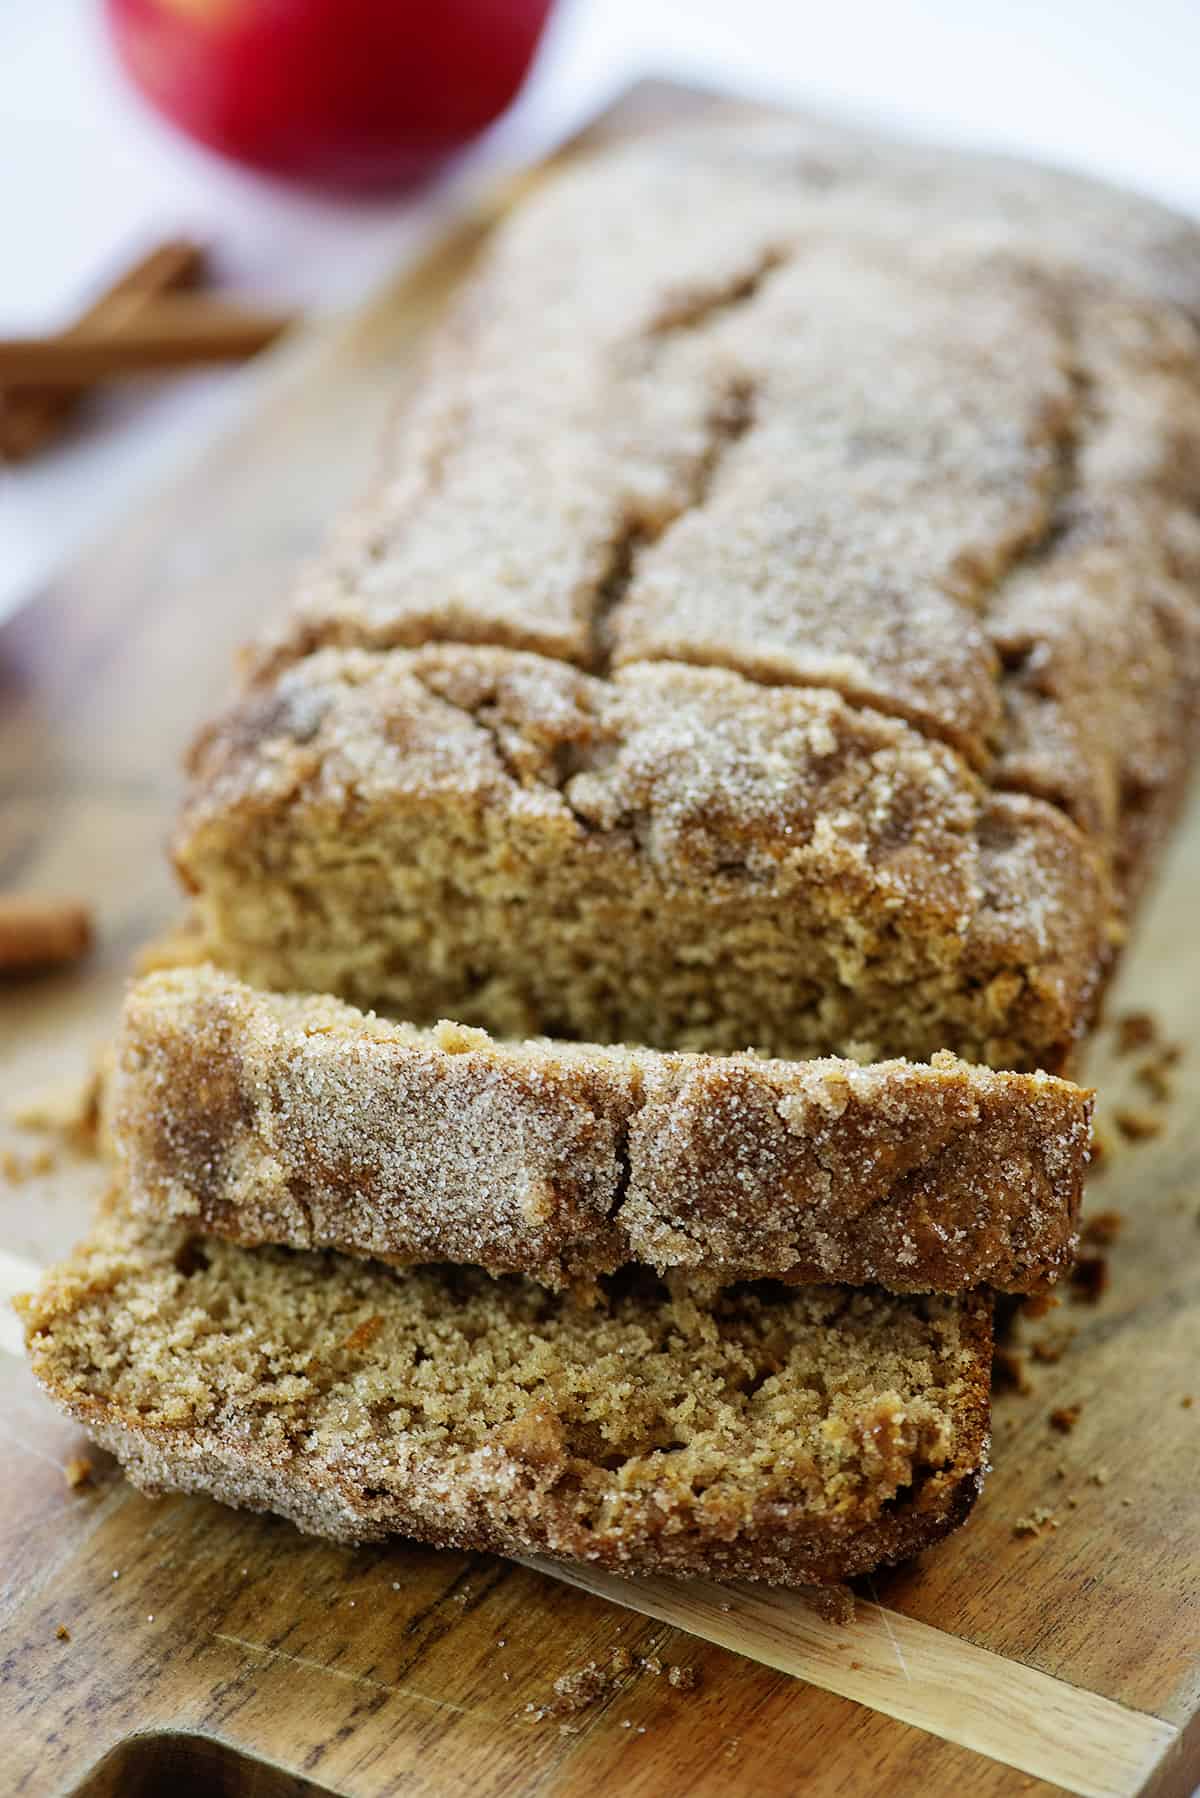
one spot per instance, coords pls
(301, 1121)
(776, 623)
(773, 640)
(794, 1434)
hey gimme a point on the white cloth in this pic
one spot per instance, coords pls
(88, 176)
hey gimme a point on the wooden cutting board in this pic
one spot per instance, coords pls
(152, 1645)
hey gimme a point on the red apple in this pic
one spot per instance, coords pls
(351, 93)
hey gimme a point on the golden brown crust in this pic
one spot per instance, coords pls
(301, 1121)
(795, 1435)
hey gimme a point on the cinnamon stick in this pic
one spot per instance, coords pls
(31, 417)
(37, 933)
(177, 331)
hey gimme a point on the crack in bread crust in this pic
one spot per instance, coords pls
(978, 333)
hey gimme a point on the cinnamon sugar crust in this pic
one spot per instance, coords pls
(792, 1434)
(302, 1121)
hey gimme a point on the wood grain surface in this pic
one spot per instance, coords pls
(232, 1655)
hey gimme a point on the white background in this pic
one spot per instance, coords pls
(88, 177)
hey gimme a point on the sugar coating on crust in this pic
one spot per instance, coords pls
(791, 1434)
(304, 1122)
(900, 445)
(804, 404)
(914, 1177)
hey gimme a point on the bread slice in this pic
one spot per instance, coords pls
(793, 1434)
(677, 856)
(303, 1122)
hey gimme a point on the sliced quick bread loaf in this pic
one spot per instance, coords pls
(303, 1122)
(794, 1434)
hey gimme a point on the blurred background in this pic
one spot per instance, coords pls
(93, 176)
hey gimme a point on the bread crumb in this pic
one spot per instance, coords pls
(63, 1633)
(586, 1685)
(1101, 1149)
(43, 1161)
(1187, 1401)
(833, 1604)
(1103, 1229)
(1051, 1348)
(1041, 1517)
(1100, 1476)
(1089, 1279)
(363, 1334)
(1137, 1125)
(70, 1110)
(596, 1680)
(78, 1471)
(1153, 1076)
(1065, 1418)
(1136, 1030)
(1008, 1372)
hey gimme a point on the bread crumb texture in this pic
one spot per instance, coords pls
(790, 1434)
(678, 857)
